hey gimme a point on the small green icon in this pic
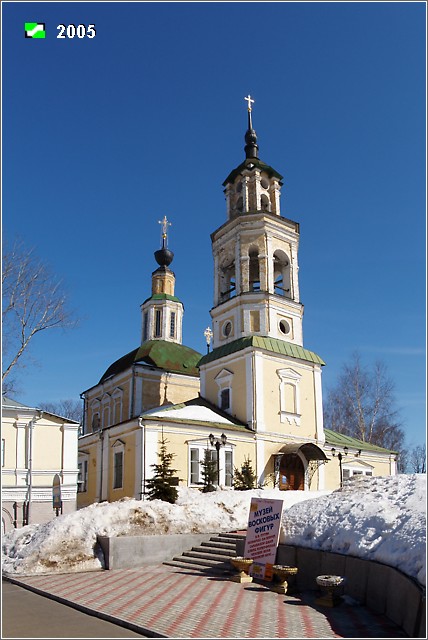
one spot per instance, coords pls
(35, 30)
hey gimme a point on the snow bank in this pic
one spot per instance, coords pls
(380, 519)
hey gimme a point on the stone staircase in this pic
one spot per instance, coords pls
(212, 556)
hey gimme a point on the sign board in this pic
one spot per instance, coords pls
(56, 492)
(262, 536)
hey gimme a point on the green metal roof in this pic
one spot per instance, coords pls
(268, 344)
(162, 296)
(161, 354)
(341, 440)
(256, 163)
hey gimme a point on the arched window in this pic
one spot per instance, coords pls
(281, 266)
(265, 202)
(227, 281)
(254, 271)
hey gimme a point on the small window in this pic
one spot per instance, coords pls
(118, 470)
(225, 399)
(95, 421)
(172, 325)
(227, 329)
(194, 466)
(82, 479)
(284, 327)
(228, 468)
(158, 323)
(145, 326)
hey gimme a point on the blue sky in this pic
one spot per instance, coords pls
(103, 137)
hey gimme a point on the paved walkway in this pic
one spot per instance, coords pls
(163, 601)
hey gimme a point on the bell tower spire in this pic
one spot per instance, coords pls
(256, 283)
(162, 313)
(251, 147)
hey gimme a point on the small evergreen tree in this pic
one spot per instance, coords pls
(209, 472)
(161, 486)
(246, 478)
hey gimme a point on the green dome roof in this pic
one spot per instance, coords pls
(161, 354)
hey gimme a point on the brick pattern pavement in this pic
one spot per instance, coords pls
(182, 603)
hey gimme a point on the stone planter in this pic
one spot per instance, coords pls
(330, 587)
(242, 565)
(283, 578)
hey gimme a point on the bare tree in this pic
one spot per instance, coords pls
(362, 405)
(418, 459)
(33, 300)
(68, 408)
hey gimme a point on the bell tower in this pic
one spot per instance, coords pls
(258, 369)
(256, 286)
(162, 313)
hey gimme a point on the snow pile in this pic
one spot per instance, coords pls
(374, 518)
(381, 519)
(69, 543)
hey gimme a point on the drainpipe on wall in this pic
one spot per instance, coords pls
(132, 392)
(102, 464)
(30, 465)
(143, 458)
(82, 427)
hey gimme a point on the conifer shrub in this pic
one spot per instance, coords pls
(246, 478)
(162, 486)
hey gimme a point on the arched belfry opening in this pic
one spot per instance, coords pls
(282, 276)
(227, 281)
(254, 269)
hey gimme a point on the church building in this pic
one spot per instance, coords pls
(257, 394)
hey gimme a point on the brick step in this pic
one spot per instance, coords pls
(211, 548)
(200, 560)
(202, 555)
(217, 570)
(213, 556)
(227, 546)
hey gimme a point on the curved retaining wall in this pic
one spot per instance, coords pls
(380, 587)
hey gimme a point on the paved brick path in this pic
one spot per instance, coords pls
(180, 603)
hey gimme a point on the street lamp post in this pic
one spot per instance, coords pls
(208, 336)
(217, 444)
(340, 457)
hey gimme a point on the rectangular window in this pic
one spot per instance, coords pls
(158, 323)
(118, 470)
(346, 474)
(145, 326)
(194, 466)
(82, 479)
(228, 468)
(369, 473)
(172, 325)
(225, 399)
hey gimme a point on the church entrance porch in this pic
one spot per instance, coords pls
(291, 473)
(295, 465)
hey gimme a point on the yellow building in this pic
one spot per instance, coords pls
(260, 391)
(36, 447)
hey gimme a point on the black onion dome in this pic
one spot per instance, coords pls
(164, 257)
(251, 146)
